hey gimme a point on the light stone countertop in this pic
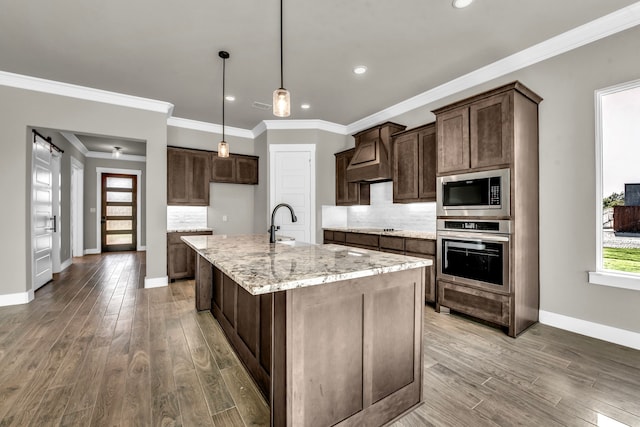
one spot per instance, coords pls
(379, 231)
(189, 230)
(261, 267)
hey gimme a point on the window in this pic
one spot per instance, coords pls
(618, 186)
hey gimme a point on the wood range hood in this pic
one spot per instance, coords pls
(373, 157)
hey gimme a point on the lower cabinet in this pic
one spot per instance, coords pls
(475, 302)
(420, 248)
(181, 259)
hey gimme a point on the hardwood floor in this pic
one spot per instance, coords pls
(94, 348)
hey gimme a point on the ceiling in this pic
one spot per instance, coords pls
(106, 145)
(168, 50)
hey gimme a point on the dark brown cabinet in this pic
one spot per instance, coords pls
(187, 177)
(478, 133)
(235, 169)
(414, 165)
(181, 259)
(420, 248)
(348, 193)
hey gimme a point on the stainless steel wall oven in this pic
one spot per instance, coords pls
(475, 253)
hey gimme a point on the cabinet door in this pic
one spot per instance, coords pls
(180, 261)
(177, 177)
(427, 164)
(453, 140)
(346, 192)
(223, 169)
(199, 178)
(405, 167)
(246, 170)
(490, 126)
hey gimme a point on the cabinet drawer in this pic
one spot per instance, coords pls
(328, 236)
(392, 243)
(474, 302)
(369, 241)
(339, 236)
(420, 246)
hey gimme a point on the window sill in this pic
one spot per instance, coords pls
(615, 280)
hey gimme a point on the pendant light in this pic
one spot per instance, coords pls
(223, 147)
(281, 96)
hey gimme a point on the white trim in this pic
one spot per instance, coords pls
(141, 248)
(311, 149)
(602, 276)
(77, 207)
(124, 157)
(614, 279)
(73, 140)
(93, 251)
(156, 282)
(591, 329)
(66, 264)
(100, 171)
(208, 127)
(82, 92)
(259, 129)
(17, 298)
(304, 124)
(602, 27)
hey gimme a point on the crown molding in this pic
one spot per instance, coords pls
(73, 140)
(208, 127)
(597, 29)
(81, 92)
(124, 157)
(300, 124)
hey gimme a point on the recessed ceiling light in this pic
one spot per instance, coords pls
(360, 69)
(459, 4)
(230, 98)
(305, 106)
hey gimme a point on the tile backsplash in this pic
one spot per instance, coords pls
(186, 217)
(382, 213)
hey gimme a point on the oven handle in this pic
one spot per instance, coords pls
(464, 245)
(474, 237)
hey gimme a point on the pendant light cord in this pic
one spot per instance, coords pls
(224, 62)
(281, 49)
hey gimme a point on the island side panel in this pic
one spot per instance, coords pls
(246, 321)
(204, 283)
(354, 350)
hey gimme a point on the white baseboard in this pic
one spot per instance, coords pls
(16, 299)
(591, 329)
(156, 282)
(141, 248)
(93, 251)
(66, 264)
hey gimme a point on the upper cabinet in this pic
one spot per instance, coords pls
(235, 169)
(478, 133)
(348, 193)
(414, 165)
(187, 177)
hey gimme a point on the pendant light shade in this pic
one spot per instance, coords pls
(223, 147)
(281, 102)
(281, 96)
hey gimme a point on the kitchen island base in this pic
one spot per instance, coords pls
(343, 353)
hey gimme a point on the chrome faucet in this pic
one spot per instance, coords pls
(272, 229)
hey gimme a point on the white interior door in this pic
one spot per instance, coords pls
(77, 216)
(292, 174)
(43, 222)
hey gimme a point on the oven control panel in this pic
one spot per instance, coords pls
(498, 226)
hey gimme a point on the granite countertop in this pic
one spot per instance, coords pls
(379, 231)
(261, 267)
(188, 230)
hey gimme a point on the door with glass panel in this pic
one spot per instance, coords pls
(119, 225)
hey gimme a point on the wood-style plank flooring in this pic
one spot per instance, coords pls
(94, 348)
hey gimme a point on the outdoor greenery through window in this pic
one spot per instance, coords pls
(620, 138)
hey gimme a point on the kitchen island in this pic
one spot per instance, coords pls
(332, 335)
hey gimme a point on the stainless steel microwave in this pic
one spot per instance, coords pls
(485, 193)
